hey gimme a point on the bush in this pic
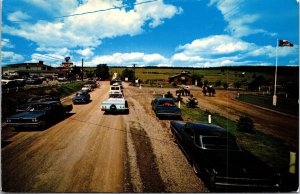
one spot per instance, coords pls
(245, 124)
(169, 95)
(192, 103)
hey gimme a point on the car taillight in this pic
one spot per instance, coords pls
(103, 108)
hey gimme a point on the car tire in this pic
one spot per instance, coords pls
(112, 108)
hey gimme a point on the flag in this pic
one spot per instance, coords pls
(285, 43)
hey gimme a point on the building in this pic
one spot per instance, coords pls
(28, 69)
(182, 78)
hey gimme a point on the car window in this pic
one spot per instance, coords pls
(166, 103)
(218, 143)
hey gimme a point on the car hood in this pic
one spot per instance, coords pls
(237, 164)
(28, 114)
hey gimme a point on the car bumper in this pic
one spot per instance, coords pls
(28, 125)
(168, 114)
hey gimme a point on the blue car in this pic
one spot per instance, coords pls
(165, 107)
(81, 97)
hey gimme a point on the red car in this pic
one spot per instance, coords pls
(91, 83)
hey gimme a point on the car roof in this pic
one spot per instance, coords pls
(164, 99)
(205, 129)
(46, 102)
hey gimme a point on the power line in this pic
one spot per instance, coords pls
(40, 55)
(102, 10)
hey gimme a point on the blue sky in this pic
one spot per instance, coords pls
(178, 33)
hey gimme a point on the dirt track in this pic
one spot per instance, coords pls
(93, 152)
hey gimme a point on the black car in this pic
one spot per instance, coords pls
(31, 100)
(81, 97)
(216, 156)
(39, 115)
(165, 107)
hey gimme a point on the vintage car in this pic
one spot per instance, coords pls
(43, 98)
(115, 104)
(39, 115)
(81, 97)
(216, 156)
(116, 88)
(165, 107)
(91, 83)
(86, 88)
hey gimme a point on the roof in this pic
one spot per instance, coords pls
(27, 65)
(205, 129)
(163, 99)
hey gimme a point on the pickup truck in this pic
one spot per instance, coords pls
(115, 104)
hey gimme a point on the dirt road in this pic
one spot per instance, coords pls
(83, 153)
(93, 152)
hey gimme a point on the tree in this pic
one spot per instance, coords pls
(237, 84)
(102, 71)
(245, 124)
(218, 83)
(258, 81)
(128, 73)
(225, 85)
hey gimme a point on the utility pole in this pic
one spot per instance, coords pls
(134, 73)
(82, 70)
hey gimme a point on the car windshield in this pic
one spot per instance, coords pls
(219, 143)
(80, 94)
(166, 103)
(34, 107)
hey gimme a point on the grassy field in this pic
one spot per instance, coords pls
(268, 148)
(225, 74)
(289, 106)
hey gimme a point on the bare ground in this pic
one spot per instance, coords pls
(93, 152)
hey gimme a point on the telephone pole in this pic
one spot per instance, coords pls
(82, 70)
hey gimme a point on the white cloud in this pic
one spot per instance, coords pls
(18, 16)
(240, 23)
(89, 29)
(215, 45)
(6, 43)
(88, 52)
(156, 11)
(127, 59)
(224, 50)
(56, 8)
(11, 57)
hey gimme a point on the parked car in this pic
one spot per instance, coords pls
(39, 115)
(62, 79)
(115, 104)
(81, 97)
(86, 88)
(165, 107)
(31, 100)
(91, 83)
(115, 89)
(223, 164)
(34, 81)
(10, 84)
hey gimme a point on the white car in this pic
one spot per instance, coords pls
(115, 104)
(87, 88)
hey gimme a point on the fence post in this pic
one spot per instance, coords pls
(209, 118)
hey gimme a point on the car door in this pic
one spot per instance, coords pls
(188, 140)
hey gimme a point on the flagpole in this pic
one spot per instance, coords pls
(275, 82)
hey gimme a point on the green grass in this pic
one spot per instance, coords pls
(289, 106)
(271, 150)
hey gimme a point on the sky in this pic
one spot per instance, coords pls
(164, 33)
